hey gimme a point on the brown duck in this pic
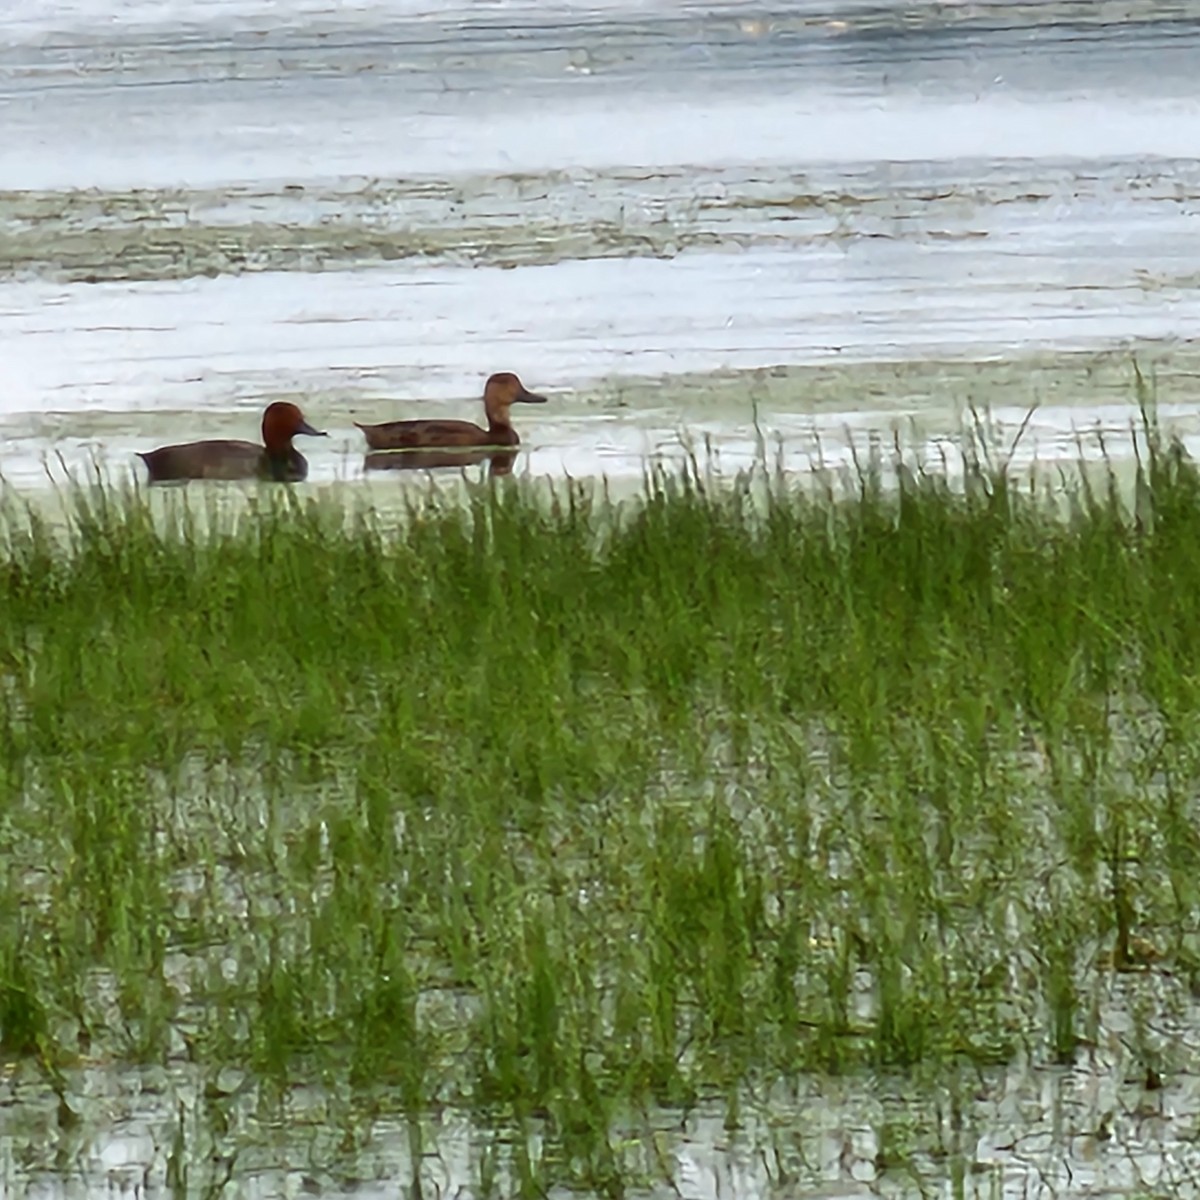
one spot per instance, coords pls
(500, 393)
(276, 459)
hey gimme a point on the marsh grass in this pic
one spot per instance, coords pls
(554, 807)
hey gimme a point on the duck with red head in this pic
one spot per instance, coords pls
(501, 392)
(276, 459)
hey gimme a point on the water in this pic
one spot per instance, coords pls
(1084, 1131)
(371, 207)
(790, 226)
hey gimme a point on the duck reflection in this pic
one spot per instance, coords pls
(499, 460)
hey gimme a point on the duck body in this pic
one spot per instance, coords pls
(220, 459)
(501, 392)
(436, 435)
(277, 460)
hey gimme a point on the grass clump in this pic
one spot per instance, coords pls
(552, 807)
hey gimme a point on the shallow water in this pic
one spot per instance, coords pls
(1089, 1130)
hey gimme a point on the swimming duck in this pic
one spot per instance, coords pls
(500, 393)
(276, 459)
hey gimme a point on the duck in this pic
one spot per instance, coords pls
(499, 461)
(276, 459)
(501, 391)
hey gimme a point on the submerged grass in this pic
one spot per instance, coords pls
(553, 807)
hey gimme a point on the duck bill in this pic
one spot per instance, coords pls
(305, 427)
(527, 397)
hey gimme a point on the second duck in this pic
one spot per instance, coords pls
(499, 394)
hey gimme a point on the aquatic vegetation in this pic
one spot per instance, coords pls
(552, 807)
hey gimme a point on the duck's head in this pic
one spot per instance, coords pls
(281, 422)
(504, 388)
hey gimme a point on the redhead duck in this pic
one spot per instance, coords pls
(501, 392)
(276, 459)
(500, 462)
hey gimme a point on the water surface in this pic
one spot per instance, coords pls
(371, 207)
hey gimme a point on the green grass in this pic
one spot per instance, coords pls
(553, 807)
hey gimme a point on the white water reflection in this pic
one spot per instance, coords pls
(112, 369)
(1033, 1133)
